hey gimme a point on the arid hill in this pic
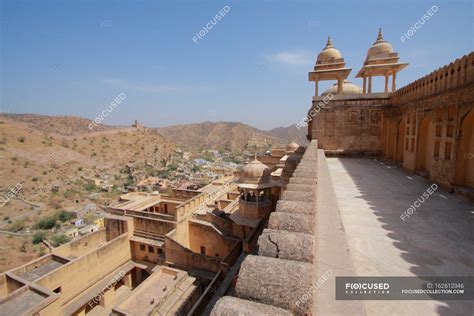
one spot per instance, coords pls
(229, 135)
(39, 153)
(290, 133)
(63, 125)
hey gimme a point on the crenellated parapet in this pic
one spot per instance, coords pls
(452, 76)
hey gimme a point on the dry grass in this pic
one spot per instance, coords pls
(44, 158)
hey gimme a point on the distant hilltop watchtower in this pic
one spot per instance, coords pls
(136, 125)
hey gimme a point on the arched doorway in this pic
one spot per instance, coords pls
(392, 139)
(400, 141)
(464, 175)
(424, 145)
(384, 140)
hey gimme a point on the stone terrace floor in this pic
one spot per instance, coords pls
(436, 240)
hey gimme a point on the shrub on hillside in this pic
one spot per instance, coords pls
(64, 216)
(60, 239)
(16, 226)
(38, 237)
(91, 187)
(46, 223)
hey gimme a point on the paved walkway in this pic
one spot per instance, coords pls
(436, 240)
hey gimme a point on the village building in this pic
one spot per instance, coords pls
(153, 253)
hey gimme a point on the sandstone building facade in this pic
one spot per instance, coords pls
(425, 127)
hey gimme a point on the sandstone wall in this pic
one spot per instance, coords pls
(420, 126)
(76, 276)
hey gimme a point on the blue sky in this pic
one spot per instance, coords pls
(74, 57)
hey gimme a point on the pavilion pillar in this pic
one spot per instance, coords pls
(394, 79)
(339, 85)
(316, 82)
(364, 86)
(370, 83)
(386, 83)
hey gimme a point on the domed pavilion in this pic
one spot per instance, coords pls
(292, 147)
(329, 65)
(382, 61)
(255, 186)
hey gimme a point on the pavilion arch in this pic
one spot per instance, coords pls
(464, 173)
(400, 150)
(424, 145)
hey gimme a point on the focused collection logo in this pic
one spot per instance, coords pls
(367, 288)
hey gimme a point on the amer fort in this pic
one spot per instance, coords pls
(271, 238)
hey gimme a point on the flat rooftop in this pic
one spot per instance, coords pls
(148, 241)
(218, 184)
(237, 217)
(21, 303)
(210, 188)
(100, 284)
(162, 286)
(42, 269)
(141, 203)
(436, 240)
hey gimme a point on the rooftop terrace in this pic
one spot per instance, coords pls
(160, 292)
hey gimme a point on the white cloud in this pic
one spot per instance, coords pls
(292, 58)
(150, 87)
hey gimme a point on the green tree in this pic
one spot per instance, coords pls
(46, 223)
(38, 237)
(64, 216)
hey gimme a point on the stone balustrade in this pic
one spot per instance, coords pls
(306, 226)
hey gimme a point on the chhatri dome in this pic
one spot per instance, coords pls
(381, 61)
(292, 147)
(255, 172)
(347, 88)
(329, 54)
(329, 66)
(380, 49)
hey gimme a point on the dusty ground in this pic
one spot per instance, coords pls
(15, 250)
